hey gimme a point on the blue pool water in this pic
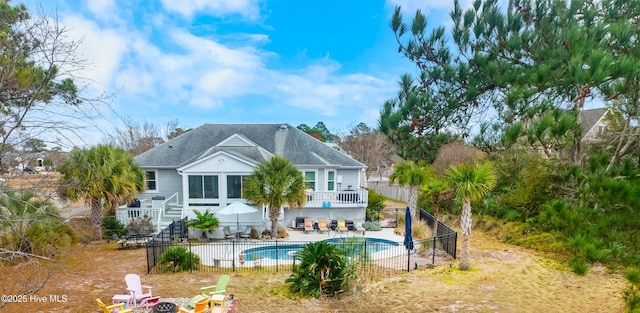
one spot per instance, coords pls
(285, 251)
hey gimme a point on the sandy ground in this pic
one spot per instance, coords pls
(503, 278)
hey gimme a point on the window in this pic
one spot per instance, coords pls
(151, 181)
(203, 187)
(601, 129)
(235, 186)
(331, 181)
(310, 180)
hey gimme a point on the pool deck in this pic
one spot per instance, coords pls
(385, 233)
(224, 256)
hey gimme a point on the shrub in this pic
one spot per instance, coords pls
(176, 259)
(579, 265)
(322, 270)
(254, 233)
(142, 224)
(113, 226)
(375, 226)
(282, 232)
(375, 205)
(631, 294)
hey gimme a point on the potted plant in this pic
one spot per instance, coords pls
(205, 222)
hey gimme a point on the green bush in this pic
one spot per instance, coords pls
(375, 226)
(579, 265)
(322, 270)
(113, 226)
(177, 259)
(631, 294)
(375, 205)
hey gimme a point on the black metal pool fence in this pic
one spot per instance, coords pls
(373, 255)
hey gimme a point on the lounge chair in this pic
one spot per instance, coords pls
(121, 241)
(334, 226)
(342, 226)
(323, 226)
(246, 234)
(111, 308)
(227, 233)
(308, 225)
(135, 288)
(199, 307)
(358, 226)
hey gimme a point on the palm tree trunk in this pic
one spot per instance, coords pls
(465, 226)
(96, 218)
(274, 213)
(413, 200)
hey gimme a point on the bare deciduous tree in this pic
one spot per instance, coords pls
(137, 138)
(368, 146)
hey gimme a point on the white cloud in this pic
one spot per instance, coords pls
(103, 9)
(249, 9)
(102, 49)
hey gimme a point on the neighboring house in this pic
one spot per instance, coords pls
(594, 124)
(204, 169)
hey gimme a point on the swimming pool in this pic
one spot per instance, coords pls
(285, 252)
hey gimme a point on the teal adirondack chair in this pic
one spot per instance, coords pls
(219, 288)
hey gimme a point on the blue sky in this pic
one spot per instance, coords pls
(240, 61)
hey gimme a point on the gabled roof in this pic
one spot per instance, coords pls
(255, 142)
(589, 118)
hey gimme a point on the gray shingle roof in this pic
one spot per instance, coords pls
(292, 143)
(589, 118)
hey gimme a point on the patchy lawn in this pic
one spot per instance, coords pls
(503, 278)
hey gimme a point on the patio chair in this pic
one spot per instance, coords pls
(308, 225)
(227, 233)
(199, 307)
(358, 226)
(334, 226)
(342, 226)
(246, 234)
(111, 308)
(135, 288)
(164, 307)
(323, 226)
(120, 241)
(218, 289)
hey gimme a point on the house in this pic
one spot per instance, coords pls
(204, 169)
(594, 124)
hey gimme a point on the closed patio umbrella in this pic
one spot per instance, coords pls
(363, 179)
(237, 208)
(408, 238)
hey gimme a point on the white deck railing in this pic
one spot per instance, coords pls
(343, 198)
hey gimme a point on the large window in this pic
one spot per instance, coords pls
(310, 180)
(203, 187)
(331, 181)
(151, 181)
(235, 186)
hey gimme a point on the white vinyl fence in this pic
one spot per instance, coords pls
(391, 191)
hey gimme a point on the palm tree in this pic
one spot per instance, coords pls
(437, 190)
(413, 175)
(31, 225)
(103, 176)
(274, 183)
(206, 221)
(471, 182)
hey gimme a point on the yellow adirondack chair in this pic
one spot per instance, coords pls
(109, 308)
